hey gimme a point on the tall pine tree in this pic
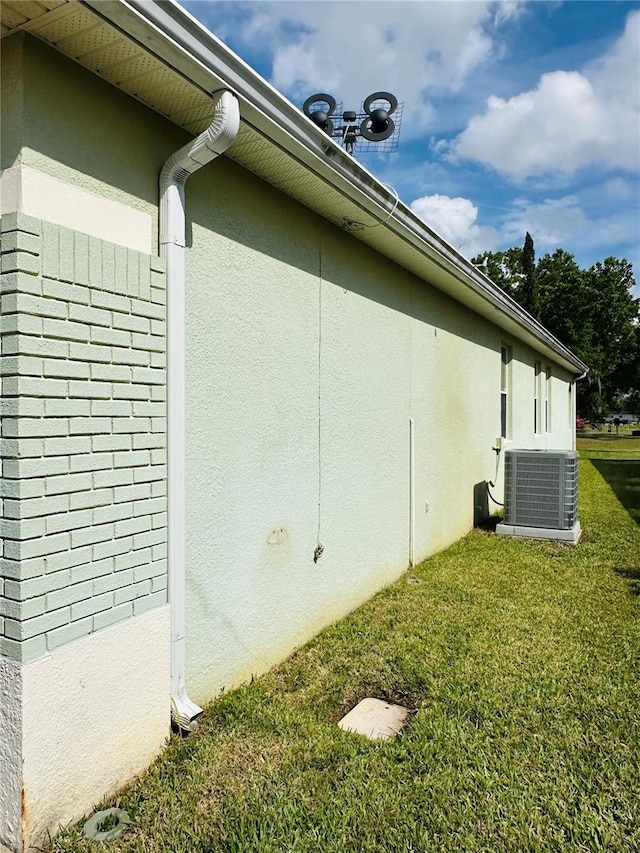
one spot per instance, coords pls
(529, 298)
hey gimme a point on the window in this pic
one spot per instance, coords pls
(537, 394)
(505, 381)
(547, 399)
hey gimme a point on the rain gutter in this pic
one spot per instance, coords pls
(166, 30)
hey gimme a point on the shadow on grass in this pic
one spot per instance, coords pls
(604, 436)
(623, 475)
(608, 443)
(633, 576)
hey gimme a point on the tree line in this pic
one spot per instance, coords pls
(591, 311)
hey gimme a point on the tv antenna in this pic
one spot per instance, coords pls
(372, 129)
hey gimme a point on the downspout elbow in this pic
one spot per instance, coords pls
(202, 150)
(186, 160)
(577, 377)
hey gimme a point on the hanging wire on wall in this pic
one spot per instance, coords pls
(319, 546)
(355, 225)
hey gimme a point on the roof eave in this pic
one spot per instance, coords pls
(168, 31)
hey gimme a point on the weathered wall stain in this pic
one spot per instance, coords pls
(278, 536)
(26, 815)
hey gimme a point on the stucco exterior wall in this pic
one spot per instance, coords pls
(10, 755)
(308, 356)
(51, 124)
(310, 361)
(94, 715)
(522, 433)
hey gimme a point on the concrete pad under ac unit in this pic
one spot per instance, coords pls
(571, 535)
(375, 719)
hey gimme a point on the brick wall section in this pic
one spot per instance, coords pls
(83, 439)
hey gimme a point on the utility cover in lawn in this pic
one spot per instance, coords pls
(375, 718)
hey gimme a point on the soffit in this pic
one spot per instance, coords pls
(138, 55)
(14, 15)
(76, 31)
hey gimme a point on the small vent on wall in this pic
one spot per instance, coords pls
(541, 494)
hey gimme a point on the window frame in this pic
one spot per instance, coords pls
(506, 357)
(537, 397)
(547, 398)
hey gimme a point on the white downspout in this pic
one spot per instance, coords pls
(574, 405)
(200, 151)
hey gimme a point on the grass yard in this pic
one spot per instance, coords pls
(618, 460)
(521, 660)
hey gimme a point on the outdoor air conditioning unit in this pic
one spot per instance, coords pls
(541, 495)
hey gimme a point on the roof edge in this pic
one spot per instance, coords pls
(174, 36)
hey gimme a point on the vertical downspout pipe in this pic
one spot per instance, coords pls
(187, 160)
(574, 413)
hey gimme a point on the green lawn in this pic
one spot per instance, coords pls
(618, 461)
(521, 660)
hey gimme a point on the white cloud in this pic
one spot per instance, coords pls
(454, 219)
(508, 10)
(607, 229)
(297, 67)
(551, 223)
(574, 223)
(351, 49)
(552, 128)
(570, 120)
(619, 190)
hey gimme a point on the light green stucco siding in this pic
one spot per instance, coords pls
(68, 123)
(11, 103)
(308, 356)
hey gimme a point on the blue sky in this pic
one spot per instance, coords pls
(518, 116)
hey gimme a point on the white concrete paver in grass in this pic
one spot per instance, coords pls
(375, 718)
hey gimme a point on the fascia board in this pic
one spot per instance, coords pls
(167, 30)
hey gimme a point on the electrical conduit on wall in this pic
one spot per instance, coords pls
(202, 150)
